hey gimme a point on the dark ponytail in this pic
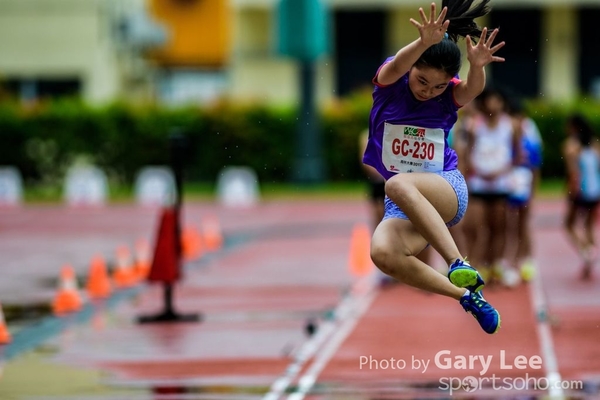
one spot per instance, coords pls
(446, 55)
(462, 15)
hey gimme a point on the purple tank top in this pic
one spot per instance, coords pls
(396, 105)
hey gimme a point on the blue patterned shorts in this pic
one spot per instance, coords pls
(456, 180)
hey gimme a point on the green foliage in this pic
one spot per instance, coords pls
(551, 120)
(42, 141)
(342, 125)
(45, 140)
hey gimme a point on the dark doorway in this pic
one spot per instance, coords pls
(520, 29)
(359, 48)
(589, 60)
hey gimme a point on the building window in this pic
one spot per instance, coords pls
(589, 61)
(358, 52)
(35, 89)
(520, 72)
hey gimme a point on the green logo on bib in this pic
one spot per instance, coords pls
(412, 131)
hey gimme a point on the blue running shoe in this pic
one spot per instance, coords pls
(461, 274)
(484, 313)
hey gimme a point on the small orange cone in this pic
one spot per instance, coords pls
(67, 298)
(5, 336)
(98, 285)
(191, 243)
(360, 263)
(143, 259)
(123, 275)
(213, 238)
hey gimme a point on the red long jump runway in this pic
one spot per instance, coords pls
(409, 344)
(573, 305)
(290, 266)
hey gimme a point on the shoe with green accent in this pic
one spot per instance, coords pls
(484, 313)
(461, 274)
(527, 271)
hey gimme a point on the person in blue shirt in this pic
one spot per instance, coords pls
(525, 179)
(581, 152)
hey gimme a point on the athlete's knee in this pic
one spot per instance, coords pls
(382, 257)
(388, 259)
(399, 189)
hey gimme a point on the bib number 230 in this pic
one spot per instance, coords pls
(414, 149)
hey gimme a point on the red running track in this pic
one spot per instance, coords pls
(289, 265)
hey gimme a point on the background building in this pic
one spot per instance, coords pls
(178, 51)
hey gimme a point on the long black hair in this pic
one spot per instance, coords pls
(462, 14)
(585, 132)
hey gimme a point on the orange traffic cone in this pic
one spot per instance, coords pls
(67, 298)
(191, 243)
(5, 336)
(213, 238)
(143, 259)
(123, 275)
(98, 284)
(360, 263)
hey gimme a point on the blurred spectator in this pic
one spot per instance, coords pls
(375, 181)
(493, 140)
(581, 153)
(459, 140)
(525, 179)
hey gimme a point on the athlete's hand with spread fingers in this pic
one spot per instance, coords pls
(482, 53)
(431, 29)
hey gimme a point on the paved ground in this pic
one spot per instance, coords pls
(284, 267)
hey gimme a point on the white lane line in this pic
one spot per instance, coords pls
(307, 381)
(544, 332)
(305, 353)
(325, 330)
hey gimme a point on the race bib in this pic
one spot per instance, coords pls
(521, 179)
(412, 149)
(490, 157)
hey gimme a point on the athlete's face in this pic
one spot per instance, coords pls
(493, 105)
(426, 83)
